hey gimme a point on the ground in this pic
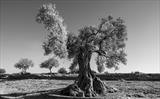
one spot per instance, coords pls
(130, 89)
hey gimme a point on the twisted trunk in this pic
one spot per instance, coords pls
(87, 84)
(87, 81)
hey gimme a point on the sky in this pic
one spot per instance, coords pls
(22, 37)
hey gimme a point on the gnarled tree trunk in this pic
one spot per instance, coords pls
(87, 81)
(87, 84)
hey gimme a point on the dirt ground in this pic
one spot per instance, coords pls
(128, 89)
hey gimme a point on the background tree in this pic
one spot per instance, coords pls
(62, 71)
(2, 71)
(49, 64)
(24, 64)
(107, 40)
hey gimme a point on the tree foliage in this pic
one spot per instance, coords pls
(53, 23)
(24, 64)
(107, 40)
(2, 71)
(50, 63)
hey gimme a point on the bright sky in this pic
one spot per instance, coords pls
(22, 37)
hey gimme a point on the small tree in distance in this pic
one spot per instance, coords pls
(24, 64)
(62, 71)
(49, 64)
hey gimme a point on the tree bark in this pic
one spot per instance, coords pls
(87, 81)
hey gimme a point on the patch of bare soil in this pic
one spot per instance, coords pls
(126, 89)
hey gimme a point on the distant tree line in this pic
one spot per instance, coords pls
(25, 63)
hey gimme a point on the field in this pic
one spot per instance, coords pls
(127, 89)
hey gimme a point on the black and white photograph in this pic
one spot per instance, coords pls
(79, 49)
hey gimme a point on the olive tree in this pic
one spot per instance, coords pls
(49, 64)
(24, 64)
(107, 40)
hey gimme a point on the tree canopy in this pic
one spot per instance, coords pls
(50, 63)
(107, 40)
(24, 64)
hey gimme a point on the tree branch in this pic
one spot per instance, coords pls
(101, 53)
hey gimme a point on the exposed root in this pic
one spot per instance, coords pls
(72, 90)
(99, 88)
(87, 84)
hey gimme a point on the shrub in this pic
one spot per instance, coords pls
(2, 71)
(62, 71)
(106, 73)
(137, 73)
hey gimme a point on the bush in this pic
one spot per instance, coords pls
(106, 73)
(62, 71)
(2, 71)
(137, 73)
